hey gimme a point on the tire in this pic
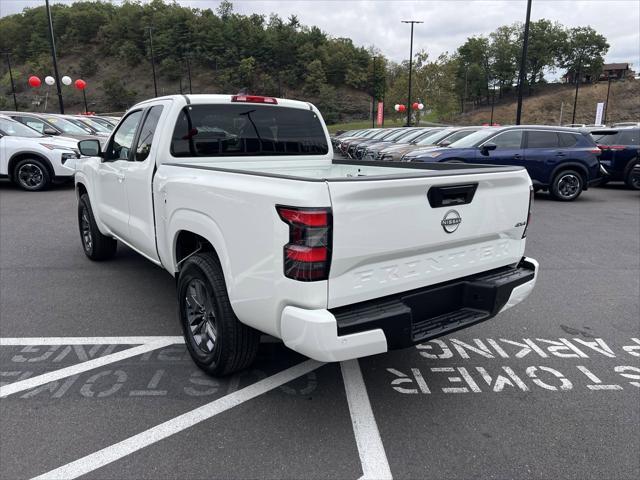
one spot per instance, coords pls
(31, 174)
(96, 246)
(218, 343)
(566, 186)
(632, 178)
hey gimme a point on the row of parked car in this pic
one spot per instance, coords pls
(562, 160)
(37, 149)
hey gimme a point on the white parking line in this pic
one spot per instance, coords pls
(22, 385)
(372, 455)
(25, 341)
(155, 434)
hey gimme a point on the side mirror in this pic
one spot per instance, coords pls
(445, 143)
(487, 147)
(50, 131)
(90, 148)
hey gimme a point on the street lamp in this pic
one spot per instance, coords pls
(153, 62)
(575, 99)
(523, 63)
(412, 22)
(54, 57)
(13, 86)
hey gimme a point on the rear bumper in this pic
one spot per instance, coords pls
(405, 319)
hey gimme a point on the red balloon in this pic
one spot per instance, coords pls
(34, 81)
(80, 84)
(415, 105)
(402, 108)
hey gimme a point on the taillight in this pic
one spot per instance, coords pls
(254, 99)
(307, 256)
(524, 234)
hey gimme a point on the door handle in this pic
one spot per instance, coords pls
(560, 154)
(517, 156)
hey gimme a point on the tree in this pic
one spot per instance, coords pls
(116, 94)
(585, 47)
(546, 40)
(503, 51)
(315, 78)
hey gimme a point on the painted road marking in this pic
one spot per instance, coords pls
(370, 448)
(25, 341)
(22, 385)
(175, 425)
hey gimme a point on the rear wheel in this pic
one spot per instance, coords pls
(31, 174)
(632, 178)
(567, 185)
(96, 245)
(218, 343)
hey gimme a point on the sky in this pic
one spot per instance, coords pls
(446, 25)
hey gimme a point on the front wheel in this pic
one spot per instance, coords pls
(633, 176)
(31, 174)
(218, 343)
(96, 246)
(566, 186)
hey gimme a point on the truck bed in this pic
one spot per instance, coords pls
(348, 170)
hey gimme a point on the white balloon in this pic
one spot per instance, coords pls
(49, 80)
(420, 106)
(66, 80)
(396, 107)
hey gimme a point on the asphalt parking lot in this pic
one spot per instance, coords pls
(549, 389)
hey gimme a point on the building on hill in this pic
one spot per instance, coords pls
(615, 71)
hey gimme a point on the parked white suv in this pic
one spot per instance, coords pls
(240, 199)
(32, 160)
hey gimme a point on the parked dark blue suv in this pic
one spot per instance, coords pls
(561, 160)
(620, 154)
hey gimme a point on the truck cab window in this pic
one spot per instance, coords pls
(120, 146)
(147, 132)
(247, 130)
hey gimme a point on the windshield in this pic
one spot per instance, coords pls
(434, 137)
(473, 139)
(399, 134)
(16, 129)
(414, 134)
(247, 129)
(66, 126)
(454, 137)
(96, 125)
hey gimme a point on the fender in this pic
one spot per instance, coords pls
(38, 155)
(206, 227)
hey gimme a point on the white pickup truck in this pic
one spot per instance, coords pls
(240, 199)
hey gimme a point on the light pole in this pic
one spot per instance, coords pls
(54, 57)
(373, 93)
(186, 59)
(153, 62)
(493, 102)
(13, 86)
(523, 63)
(412, 22)
(606, 103)
(575, 99)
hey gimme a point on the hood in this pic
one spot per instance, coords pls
(59, 141)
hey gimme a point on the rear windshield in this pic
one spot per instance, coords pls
(247, 130)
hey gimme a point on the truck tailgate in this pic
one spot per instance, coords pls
(388, 238)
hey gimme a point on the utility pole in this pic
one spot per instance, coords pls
(575, 100)
(153, 62)
(523, 63)
(464, 98)
(606, 103)
(54, 57)
(13, 86)
(412, 22)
